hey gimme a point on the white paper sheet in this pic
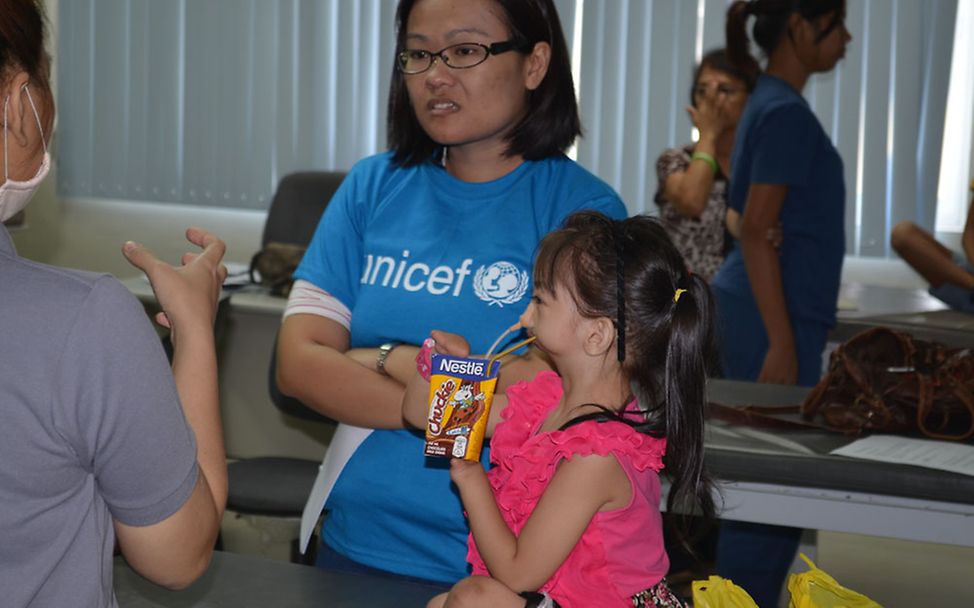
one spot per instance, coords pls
(343, 444)
(942, 455)
(238, 274)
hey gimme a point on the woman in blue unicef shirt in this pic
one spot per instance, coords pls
(439, 232)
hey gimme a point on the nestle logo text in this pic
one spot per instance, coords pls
(461, 366)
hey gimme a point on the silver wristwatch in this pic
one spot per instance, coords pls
(380, 361)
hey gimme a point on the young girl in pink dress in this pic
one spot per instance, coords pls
(569, 514)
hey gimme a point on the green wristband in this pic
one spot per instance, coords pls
(707, 159)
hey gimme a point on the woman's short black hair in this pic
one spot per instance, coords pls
(716, 59)
(551, 123)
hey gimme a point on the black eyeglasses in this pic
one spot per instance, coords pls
(458, 56)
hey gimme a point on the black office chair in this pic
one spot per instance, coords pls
(295, 211)
(272, 485)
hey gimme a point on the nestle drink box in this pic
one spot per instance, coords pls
(461, 390)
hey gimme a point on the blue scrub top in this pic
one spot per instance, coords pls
(780, 141)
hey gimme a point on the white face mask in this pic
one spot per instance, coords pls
(15, 195)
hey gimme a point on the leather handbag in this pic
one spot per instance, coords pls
(884, 380)
(274, 265)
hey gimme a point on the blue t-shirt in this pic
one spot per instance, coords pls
(409, 250)
(780, 141)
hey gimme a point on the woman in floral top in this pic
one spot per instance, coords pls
(693, 178)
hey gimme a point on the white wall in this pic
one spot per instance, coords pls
(88, 233)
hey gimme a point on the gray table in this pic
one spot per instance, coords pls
(246, 581)
(911, 310)
(858, 300)
(789, 478)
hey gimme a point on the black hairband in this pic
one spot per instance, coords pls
(618, 234)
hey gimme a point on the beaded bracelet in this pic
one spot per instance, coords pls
(707, 159)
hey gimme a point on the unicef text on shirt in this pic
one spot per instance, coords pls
(497, 283)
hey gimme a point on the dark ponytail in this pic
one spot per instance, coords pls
(738, 43)
(690, 358)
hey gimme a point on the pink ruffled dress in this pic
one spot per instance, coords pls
(621, 551)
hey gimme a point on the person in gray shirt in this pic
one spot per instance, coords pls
(99, 439)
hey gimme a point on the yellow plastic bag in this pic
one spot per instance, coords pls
(816, 589)
(717, 592)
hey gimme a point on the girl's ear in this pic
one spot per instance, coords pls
(600, 336)
(536, 66)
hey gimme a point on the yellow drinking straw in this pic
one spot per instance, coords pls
(510, 350)
(515, 327)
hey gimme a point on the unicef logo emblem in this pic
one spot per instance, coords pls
(500, 283)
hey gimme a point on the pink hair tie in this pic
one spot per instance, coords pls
(424, 364)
